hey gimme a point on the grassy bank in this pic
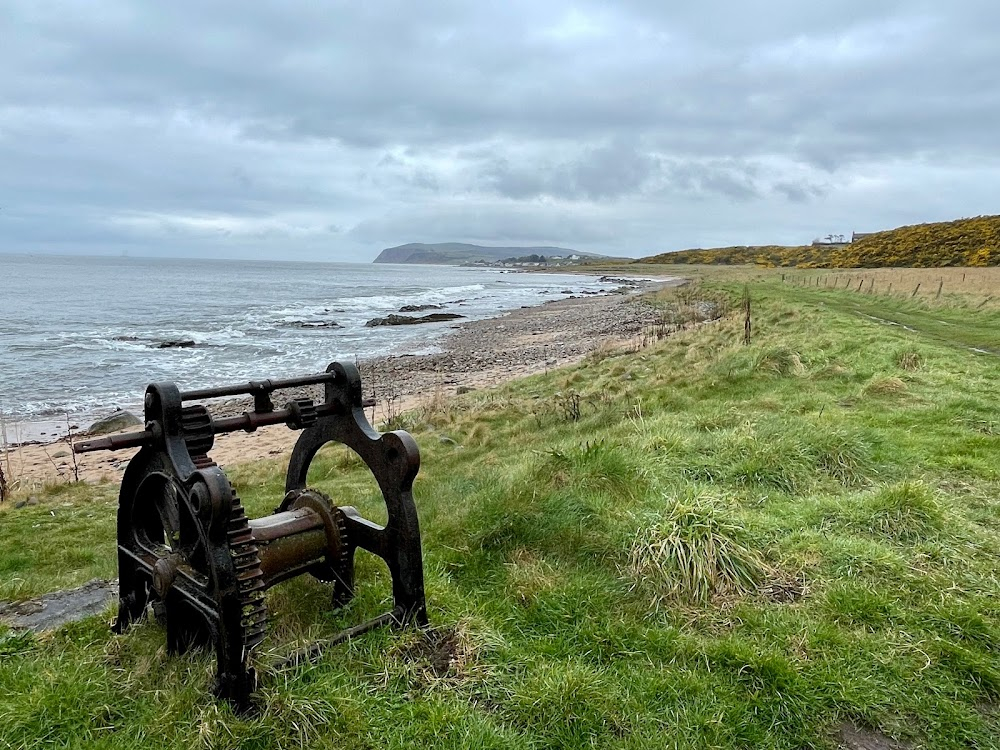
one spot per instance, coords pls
(973, 242)
(697, 545)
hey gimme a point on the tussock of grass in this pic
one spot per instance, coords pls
(691, 551)
(891, 386)
(904, 510)
(593, 465)
(909, 360)
(843, 453)
(781, 360)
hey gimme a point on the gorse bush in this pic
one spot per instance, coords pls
(691, 551)
(963, 242)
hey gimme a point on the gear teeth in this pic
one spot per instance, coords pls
(250, 579)
(196, 426)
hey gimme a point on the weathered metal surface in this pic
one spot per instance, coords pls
(187, 549)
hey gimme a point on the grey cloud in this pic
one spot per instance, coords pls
(605, 172)
(798, 192)
(277, 119)
(490, 223)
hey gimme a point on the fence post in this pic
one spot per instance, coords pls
(940, 287)
(747, 325)
(917, 289)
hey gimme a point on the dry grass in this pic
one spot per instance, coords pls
(909, 361)
(971, 286)
(885, 387)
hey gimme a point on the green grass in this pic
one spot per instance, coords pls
(724, 546)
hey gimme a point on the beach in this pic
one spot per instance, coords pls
(473, 355)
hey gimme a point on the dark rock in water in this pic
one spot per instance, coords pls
(613, 280)
(178, 344)
(406, 320)
(114, 422)
(124, 338)
(418, 308)
(319, 324)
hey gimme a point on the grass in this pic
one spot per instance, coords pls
(691, 552)
(699, 544)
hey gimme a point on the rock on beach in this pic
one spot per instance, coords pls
(406, 320)
(119, 420)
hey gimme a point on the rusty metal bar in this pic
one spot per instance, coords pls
(248, 421)
(314, 651)
(115, 442)
(256, 386)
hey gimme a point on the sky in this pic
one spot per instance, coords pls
(309, 130)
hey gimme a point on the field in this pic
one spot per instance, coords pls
(696, 543)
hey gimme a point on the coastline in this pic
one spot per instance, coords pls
(474, 354)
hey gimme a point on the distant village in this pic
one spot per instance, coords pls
(527, 261)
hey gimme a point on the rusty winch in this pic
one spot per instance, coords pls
(187, 549)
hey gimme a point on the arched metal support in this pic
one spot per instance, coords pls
(394, 461)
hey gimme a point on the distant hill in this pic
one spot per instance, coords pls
(963, 242)
(457, 253)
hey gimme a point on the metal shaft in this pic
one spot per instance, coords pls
(289, 543)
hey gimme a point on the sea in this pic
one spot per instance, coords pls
(82, 336)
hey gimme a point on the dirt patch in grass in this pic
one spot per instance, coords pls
(438, 650)
(852, 737)
(784, 590)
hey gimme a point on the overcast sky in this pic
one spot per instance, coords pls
(329, 130)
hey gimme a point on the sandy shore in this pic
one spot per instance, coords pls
(474, 355)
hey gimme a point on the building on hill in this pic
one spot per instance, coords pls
(831, 240)
(855, 236)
